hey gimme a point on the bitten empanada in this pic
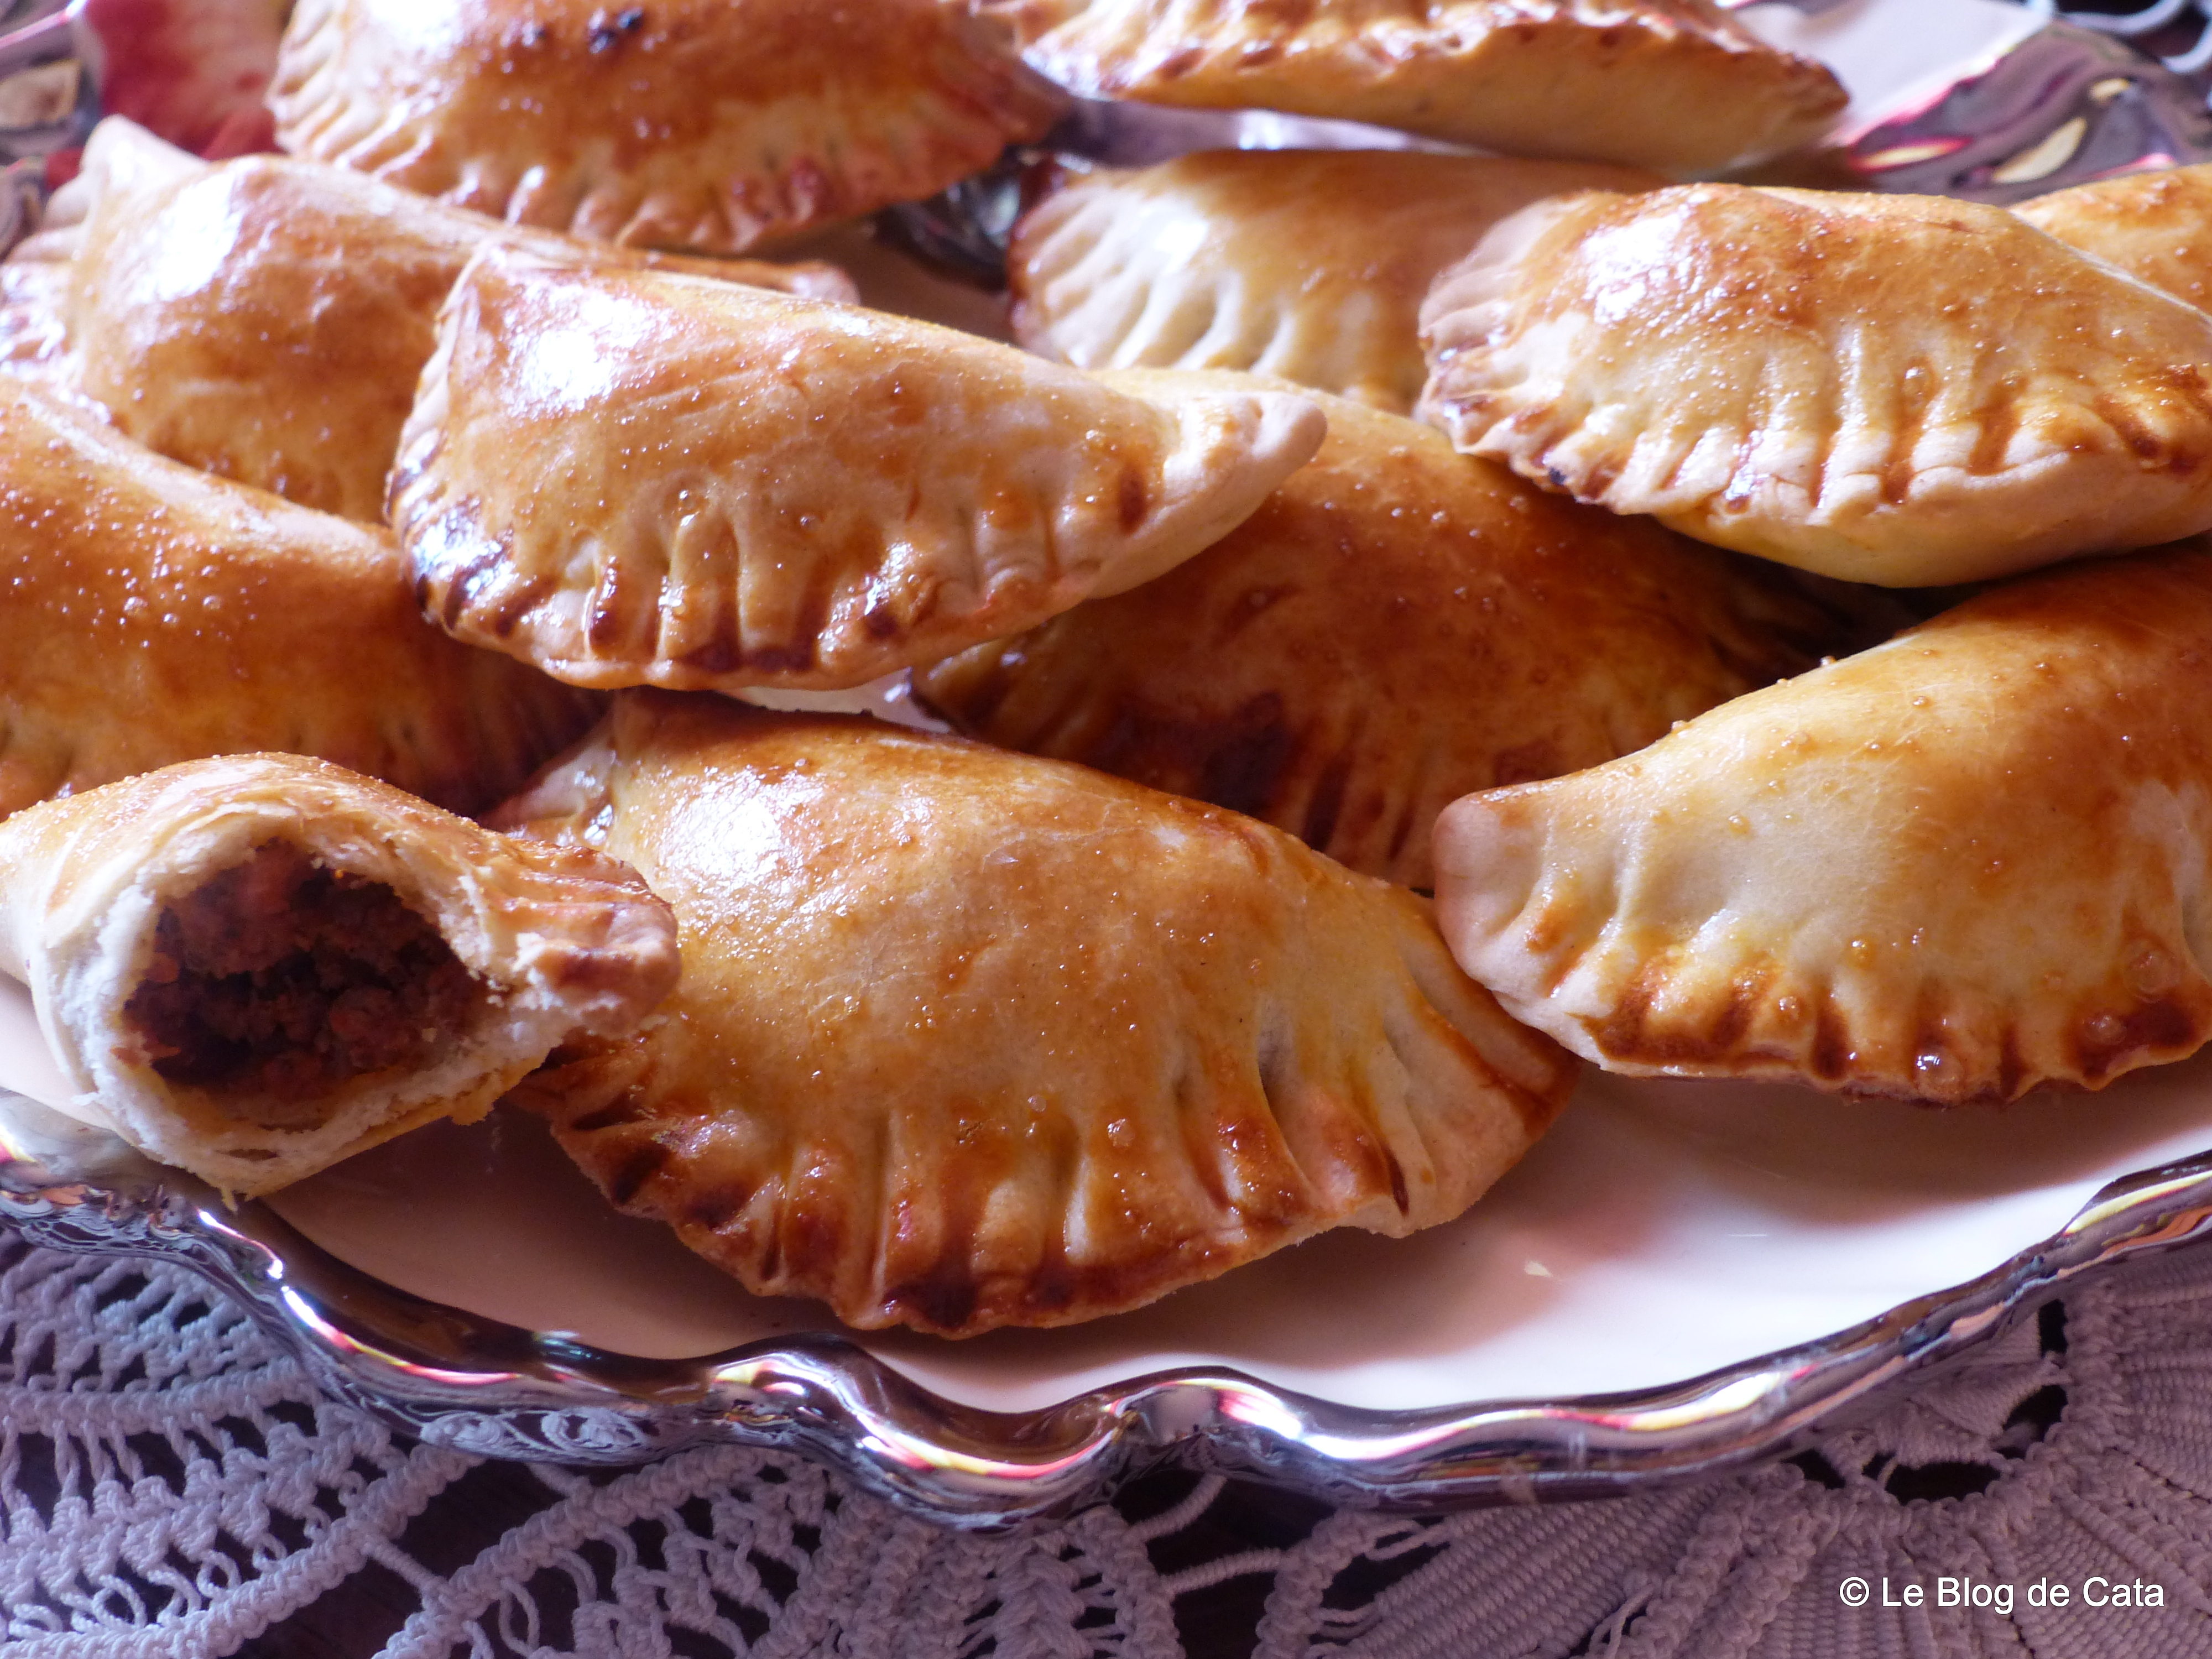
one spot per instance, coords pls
(633, 478)
(1398, 625)
(1309, 264)
(1897, 389)
(1970, 861)
(266, 319)
(966, 1039)
(150, 613)
(1673, 84)
(708, 124)
(2155, 225)
(255, 966)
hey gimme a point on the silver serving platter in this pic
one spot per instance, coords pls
(458, 1380)
(2059, 105)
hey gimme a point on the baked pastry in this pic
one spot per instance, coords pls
(966, 1039)
(255, 966)
(149, 613)
(2155, 225)
(633, 478)
(1906, 390)
(1397, 626)
(710, 125)
(1962, 864)
(1672, 84)
(266, 319)
(1309, 264)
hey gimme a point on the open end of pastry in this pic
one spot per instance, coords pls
(276, 982)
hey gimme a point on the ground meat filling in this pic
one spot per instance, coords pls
(277, 982)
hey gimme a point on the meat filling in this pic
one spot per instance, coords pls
(277, 982)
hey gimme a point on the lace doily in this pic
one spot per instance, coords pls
(172, 1486)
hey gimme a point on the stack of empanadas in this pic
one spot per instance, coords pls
(956, 1033)
(621, 471)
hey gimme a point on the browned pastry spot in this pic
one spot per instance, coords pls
(276, 980)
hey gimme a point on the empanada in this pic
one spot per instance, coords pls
(633, 478)
(966, 1039)
(1397, 626)
(1970, 861)
(2155, 225)
(1309, 264)
(149, 613)
(266, 319)
(710, 125)
(255, 966)
(1897, 389)
(1673, 84)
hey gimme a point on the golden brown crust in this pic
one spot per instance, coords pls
(1309, 264)
(710, 125)
(632, 478)
(266, 319)
(1895, 389)
(149, 613)
(1398, 626)
(967, 1039)
(557, 939)
(2157, 227)
(1672, 84)
(1952, 868)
